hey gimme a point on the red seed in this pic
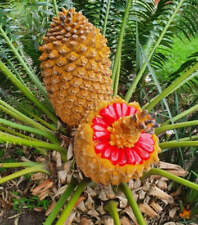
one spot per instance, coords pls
(101, 147)
(114, 155)
(124, 109)
(142, 153)
(130, 156)
(118, 109)
(147, 137)
(101, 135)
(146, 141)
(107, 116)
(99, 121)
(131, 111)
(122, 157)
(107, 152)
(138, 159)
(112, 111)
(98, 128)
(146, 147)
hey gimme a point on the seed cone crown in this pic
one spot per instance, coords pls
(114, 144)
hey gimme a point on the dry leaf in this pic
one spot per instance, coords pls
(38, 209)
(125, 221)
(70, 151)
(123, 202)
(62, 176)
(155, 191)
(109, 192)
(100, 209)
(162, 184)
(82, 207)
(93, 212)
(180, 172)
(172, 212)
(141, 194)
(40, 159)
(108, 220)
(42, 190)
(129, 212)
(82, 198)
(136, 184)
(69, 177)
(91, 191)
(67, 166)
(85, 221)
(103, 195)
(168, 166)
(89, 202)
(57, 158)
(156, 206)
(39, 176)
(146, 209)
(60, 191)
(173, 168)
(50, 208)
(170, 223)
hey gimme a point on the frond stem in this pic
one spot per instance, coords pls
(18, 164)
(115, 71)
(26, 91)
(5, 137)
(68, 208)
(140, 219)
(176, 144)
(29, 129)
(111, 208)
(192, 72)
(20, 116)
(163, 173)
(163, 128)
(60, 202)
(33, 169)
(106, 17)
(31, 74)
(55, 7)
(183, 114)
(115, 90)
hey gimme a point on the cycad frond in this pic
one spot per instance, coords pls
(91, 9)
(192, 59)
(187, 22)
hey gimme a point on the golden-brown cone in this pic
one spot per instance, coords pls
(75, 66)
(101, 169)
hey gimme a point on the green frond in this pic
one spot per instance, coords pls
(91, 9)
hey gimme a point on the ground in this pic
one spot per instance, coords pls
(25, 217)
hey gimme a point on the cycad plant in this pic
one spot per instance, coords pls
(139, 33)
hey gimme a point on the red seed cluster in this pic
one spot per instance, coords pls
(101, 136)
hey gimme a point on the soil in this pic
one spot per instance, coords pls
(27, 217)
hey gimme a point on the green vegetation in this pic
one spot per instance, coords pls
(182, 48)
(20, 203)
